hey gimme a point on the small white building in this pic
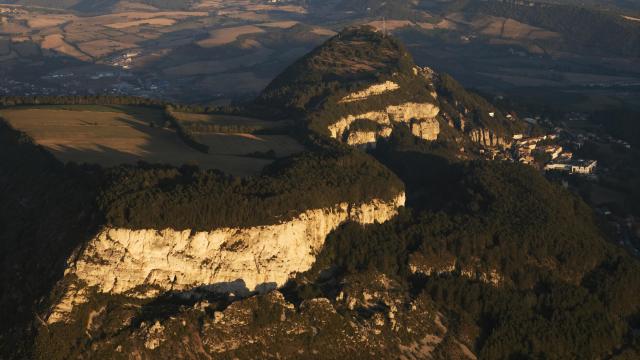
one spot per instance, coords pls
(583, 166)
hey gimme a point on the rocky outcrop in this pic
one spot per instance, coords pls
(410, 111)
(367, 139)
(448, 265)
(403, 113)
(373, 90)
(488, 138)
(426, 129)
(145, 263)
(364, 139)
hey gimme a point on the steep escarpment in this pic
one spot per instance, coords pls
(146, 263)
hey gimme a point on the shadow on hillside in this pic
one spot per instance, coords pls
(152, 144)
(155, 145)
(46, 211)
(218, 296)
(430, 180)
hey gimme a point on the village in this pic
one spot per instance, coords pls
(560, 152)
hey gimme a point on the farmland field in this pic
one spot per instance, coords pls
(224, 120)
(112, 135)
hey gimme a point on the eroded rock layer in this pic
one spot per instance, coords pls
(421, 113)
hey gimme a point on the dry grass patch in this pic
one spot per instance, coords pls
(443, 24)
(143, 22)
(41, 21)
(56, 43)
(228, 35)
(323, 31)
(391, 24)
(285, 8)
(280, 24)
(511, 29)
(102, 47)
(249, 16)
(115, 135)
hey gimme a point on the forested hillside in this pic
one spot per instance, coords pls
(519, 262)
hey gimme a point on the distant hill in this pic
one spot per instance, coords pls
(97, 6)
(582, 28)
(390, 8)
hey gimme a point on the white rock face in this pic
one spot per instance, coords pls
(236, 260)
(342, 125)
(488, 138)
(403, 113)
(426, 129)
(372, 90)
(362, 138)
(419, 265)
(367, 139)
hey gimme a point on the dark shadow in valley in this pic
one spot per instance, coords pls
(430, 180)
(47, 210)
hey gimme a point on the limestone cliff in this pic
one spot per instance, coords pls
(393, 114)
(426, 129)
(447, 265)
(364, 139)
(367, 139)
(372, 90)
(488, 138)
(145, 263)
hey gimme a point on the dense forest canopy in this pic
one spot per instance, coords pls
(188, 198)
(563, 290)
